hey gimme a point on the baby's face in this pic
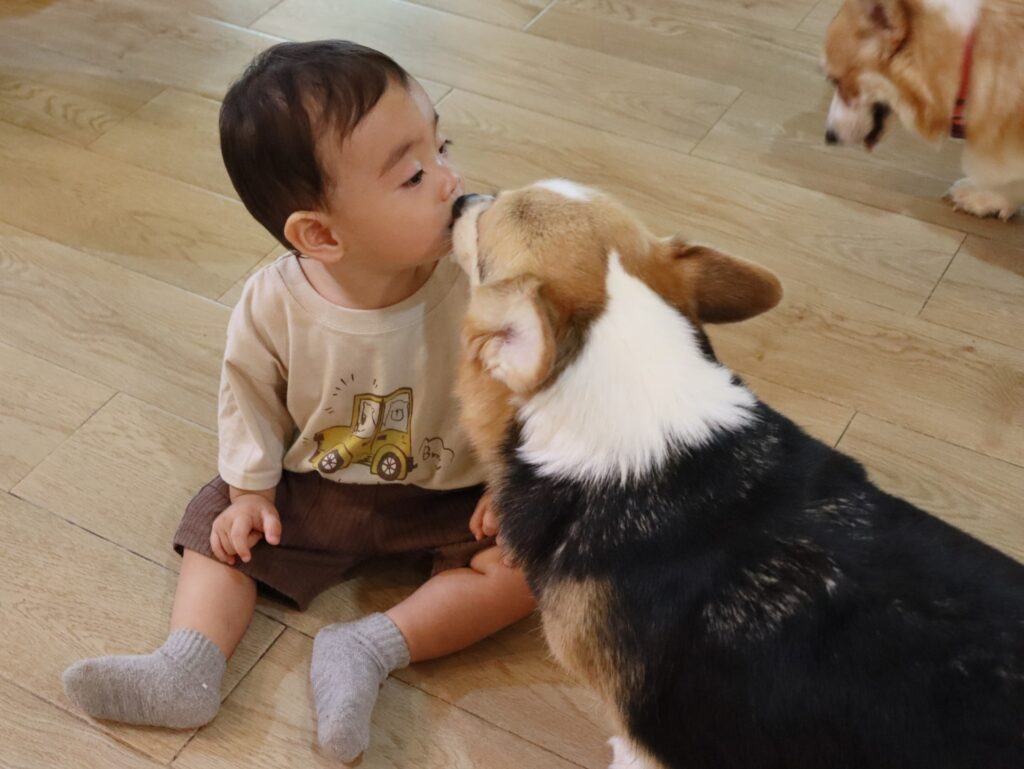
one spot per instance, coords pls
(394, 184)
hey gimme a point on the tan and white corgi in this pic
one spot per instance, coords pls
(944, 67)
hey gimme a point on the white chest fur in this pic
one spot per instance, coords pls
(961, 14)
(640, 389)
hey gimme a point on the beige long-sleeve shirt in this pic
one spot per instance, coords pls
(360, 396)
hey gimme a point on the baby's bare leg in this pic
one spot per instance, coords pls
(457, 608)
(178, 685)
(215, 599)
(449, 612)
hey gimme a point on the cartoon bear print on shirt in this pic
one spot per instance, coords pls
(433, 451)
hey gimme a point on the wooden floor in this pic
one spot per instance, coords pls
(123, 246)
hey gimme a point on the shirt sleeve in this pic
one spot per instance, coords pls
(253, 421)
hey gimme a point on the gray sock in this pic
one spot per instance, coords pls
(350, 662)
(177, 686)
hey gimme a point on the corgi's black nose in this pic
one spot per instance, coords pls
(830, 137)
(461, 202)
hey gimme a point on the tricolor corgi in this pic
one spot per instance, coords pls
(741, 594)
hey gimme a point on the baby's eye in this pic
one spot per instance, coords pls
(415, 179)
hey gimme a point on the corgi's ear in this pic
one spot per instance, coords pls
(721, 288)
(508, 330)
(891, 20)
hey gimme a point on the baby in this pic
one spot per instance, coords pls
(338, 431)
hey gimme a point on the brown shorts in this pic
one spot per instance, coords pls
(328, 528)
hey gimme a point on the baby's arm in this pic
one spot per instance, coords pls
(250, 517)
(254, 426)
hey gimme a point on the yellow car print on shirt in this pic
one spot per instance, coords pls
(379, 438)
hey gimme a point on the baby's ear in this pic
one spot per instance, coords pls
(722, 288)
(310, 233)
(509, 331)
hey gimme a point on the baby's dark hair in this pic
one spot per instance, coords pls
(272, 115)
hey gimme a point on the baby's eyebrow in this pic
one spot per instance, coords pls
(399, 152)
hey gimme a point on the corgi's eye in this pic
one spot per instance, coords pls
(443, 149)
(415, 179)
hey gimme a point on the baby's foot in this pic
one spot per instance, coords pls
(177, 686)
(967, 196)
(350, 662)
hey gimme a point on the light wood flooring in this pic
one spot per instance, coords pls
(123, 246)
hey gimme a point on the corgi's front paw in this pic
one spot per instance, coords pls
(624, 756)
(967, 197)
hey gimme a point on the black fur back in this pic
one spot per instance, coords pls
(783, 612)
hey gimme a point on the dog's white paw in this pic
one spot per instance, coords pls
(973, 200)
(624, 756)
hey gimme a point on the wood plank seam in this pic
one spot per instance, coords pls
(931, 293)
(848, 423)
(535, 19)
(71, 434)
(125, 117)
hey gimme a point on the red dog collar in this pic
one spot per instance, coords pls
(958, 130)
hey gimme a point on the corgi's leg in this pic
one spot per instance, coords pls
(626, 756)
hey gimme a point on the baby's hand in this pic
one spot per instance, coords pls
(484, 523)
(245, 521)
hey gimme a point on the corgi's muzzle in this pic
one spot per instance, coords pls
(880, 112)
(465, 211)
(460, 205)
